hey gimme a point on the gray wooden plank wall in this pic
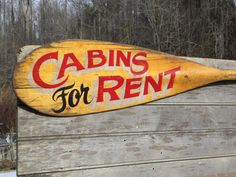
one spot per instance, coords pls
(189, 135)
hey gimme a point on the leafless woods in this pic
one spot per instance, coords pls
(203, 28)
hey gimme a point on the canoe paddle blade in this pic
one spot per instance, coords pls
(76, 77)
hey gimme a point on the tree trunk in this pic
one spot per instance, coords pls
(4, 33)
(13, 28)
(81, 23)
(66, 18)
(26, 7)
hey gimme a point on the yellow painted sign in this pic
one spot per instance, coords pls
(76, 77)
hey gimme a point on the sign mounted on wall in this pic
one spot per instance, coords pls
(76, 77)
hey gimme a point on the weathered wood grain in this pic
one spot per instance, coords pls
(130, 120)
(197, 109)
(215, 167)
(95, 141)
(61, 154)
(189, 135)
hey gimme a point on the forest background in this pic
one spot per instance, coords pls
(197, 28)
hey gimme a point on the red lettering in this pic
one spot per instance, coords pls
(156, 85)
(92, 54)
(139, 62)
(36, 76)
(125, 59)
(111, 58)
(172, 73)
(65, 64)
(130, 85)
(111, 90)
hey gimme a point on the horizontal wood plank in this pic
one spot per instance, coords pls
(131, 120)
(223, 93)
(62, 154)
(216, 63)
(220, 167)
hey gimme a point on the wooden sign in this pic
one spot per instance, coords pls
(76, 77)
